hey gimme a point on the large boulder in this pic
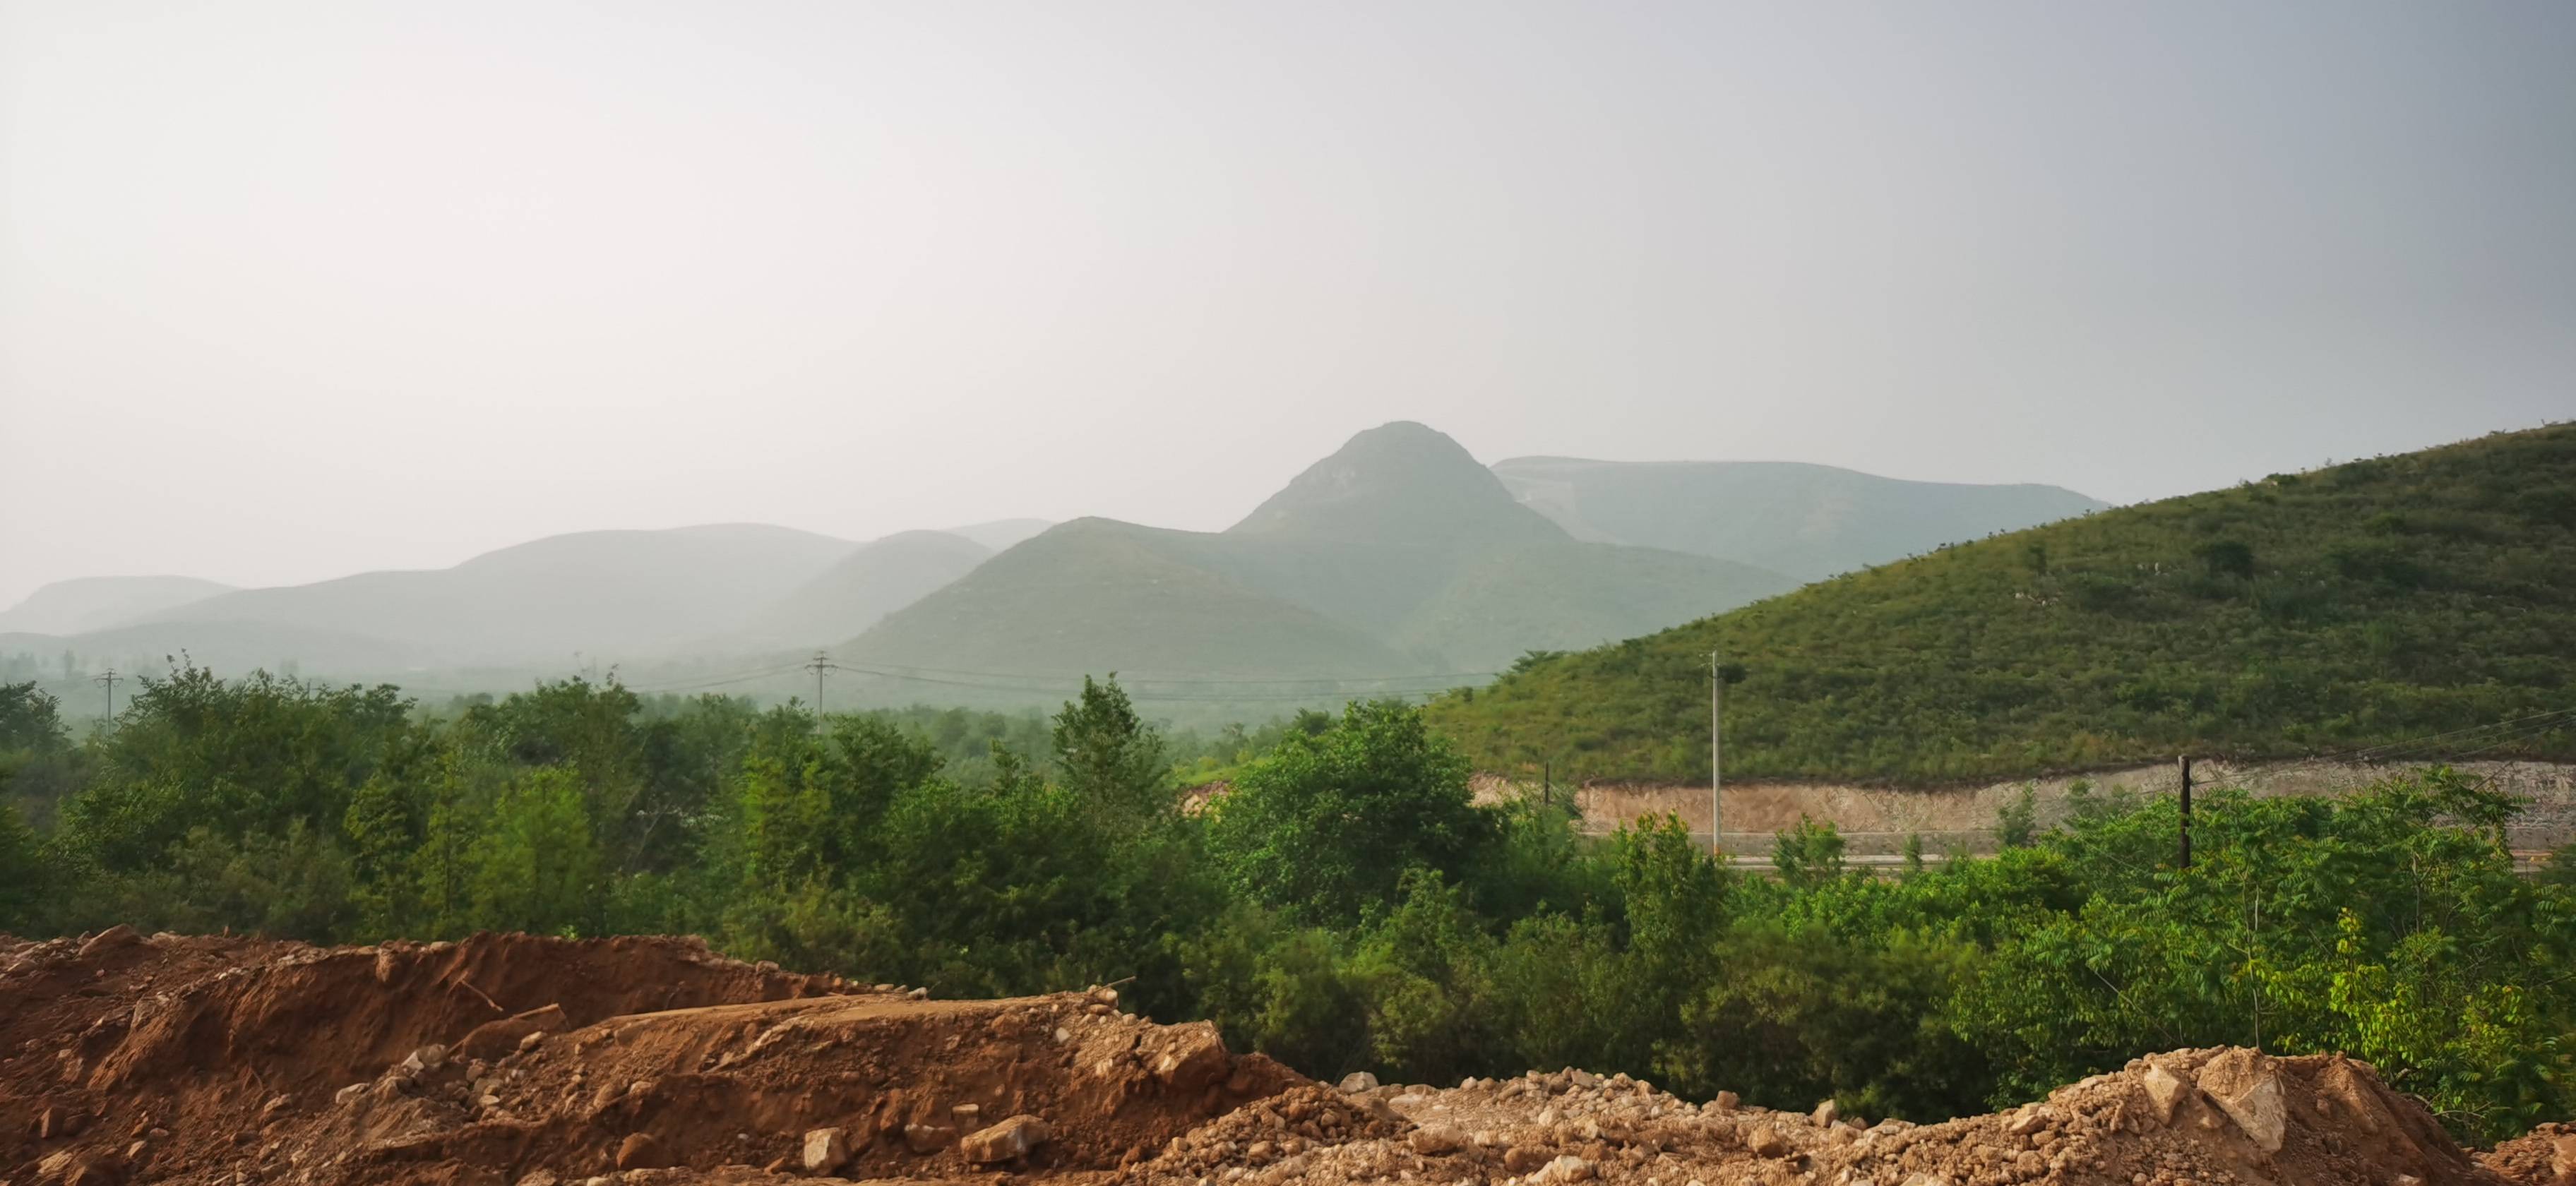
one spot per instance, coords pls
(2247, 1086)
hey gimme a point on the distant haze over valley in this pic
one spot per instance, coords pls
(1398, 563)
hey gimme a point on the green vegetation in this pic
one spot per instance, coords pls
(1399, 555)
(2356, 606)
(1347, 905)
(875, 579)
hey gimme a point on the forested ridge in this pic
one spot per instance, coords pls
(2359, 605)
(1346, 905)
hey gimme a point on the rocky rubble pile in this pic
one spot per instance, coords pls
(514, 1061)
(2226, 1117)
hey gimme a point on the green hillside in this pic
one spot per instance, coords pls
(610, 594)
(1809, 521)
(1399, 555)
(882, 576)
(1097, 595)
(2355, 606)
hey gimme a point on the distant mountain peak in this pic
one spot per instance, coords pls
(1400, 482)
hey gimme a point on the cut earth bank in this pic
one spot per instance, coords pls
(1877, 819)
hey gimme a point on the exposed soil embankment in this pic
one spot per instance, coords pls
(1879, 818)
(520, 1061)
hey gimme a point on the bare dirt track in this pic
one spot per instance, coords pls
(522, 1061)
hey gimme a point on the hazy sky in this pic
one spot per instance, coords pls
(291, 290)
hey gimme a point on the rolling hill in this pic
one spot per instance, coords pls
(228, 649)
(1397, 555)
(1808, 521)
(2357, 606)
(609, 594)
(880, 577)
(1097, 595)
(95, 603)
(1000, 533)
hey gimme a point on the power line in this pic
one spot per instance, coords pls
(1128, 679)
(1062, 688)
(1279, 690)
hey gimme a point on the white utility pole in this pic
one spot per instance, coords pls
(1716, 820)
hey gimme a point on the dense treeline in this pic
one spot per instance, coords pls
(2361, 605)
(1346, 905)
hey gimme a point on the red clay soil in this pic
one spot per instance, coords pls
(519, 1061)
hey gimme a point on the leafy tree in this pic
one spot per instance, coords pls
(2227, 558)
(2017, 822)
(1809, 853)
(382, 836)
(537, 867)
(31, 720)
(1325, 826)
(442, 868)
(1106, 754)
(22, 872)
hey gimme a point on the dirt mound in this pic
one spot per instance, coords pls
(2207, 1117)
(518, 1061)
(2545, 1156)
(504, 1058)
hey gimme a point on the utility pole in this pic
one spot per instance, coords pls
(1716, 780)
(2186, 811)
(108, 681)
(820, 664)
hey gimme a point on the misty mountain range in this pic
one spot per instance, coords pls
(1399, 556)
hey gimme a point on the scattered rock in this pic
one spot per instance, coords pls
(55, 1123)
(1357, 1082)
(111, 939)
(2164, 1090)
(1010, 1140)
(2247, 1086)
(1568, 1168)
(1825, 1114)
(1195, 1058)
(641, 1151)
(1433, 1140)
(1762, 1140)
(826, 1150)
(495, 1040)
(928, 1138)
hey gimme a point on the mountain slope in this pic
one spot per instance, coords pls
(1400, 483)
(1808, 521)
(1000, 533)
(1096, 595)
(95, 603)
(609, 594)
(230, 649)
(1397, 555)
(879, 578)
(2357, 606)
